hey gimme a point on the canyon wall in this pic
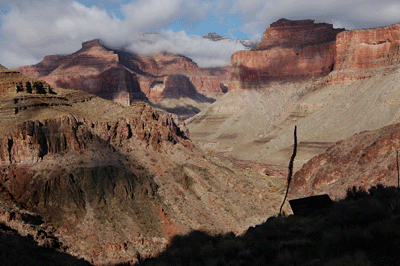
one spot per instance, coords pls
(301, 50)
(286, 33)
(288, 51)
(123, 76)
(93, 69)
(362, 54)
(107, 183)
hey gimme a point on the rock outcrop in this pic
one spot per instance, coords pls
(108, 183)
(362, 54)
(124, 77)
(301, 50)
(288, 51)
(363, 160)
(21, 83)
(94, 69)
(258, 124)
(292, 34)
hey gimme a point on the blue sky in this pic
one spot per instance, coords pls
(31, 29)
(225, 24)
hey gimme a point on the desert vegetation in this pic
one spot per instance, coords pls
(361, 229)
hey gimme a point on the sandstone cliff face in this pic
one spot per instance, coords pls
(258, 67)
(19, 83)
(288, 51)
(361, 53)
(300, 50)
(165, 63)
(286, 33)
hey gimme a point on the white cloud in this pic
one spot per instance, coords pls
(35, 28)
(147, 14)
(353, 14)
(203, 51)
(33, 31)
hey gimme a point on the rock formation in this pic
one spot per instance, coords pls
(21, 83)
(362, 54)
(363, 160)
(257, 124)
(300, 50)
(124, 77)
(288, 51)
(94, 69)
(108, 183)
(292, 34)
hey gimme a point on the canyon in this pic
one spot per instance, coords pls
(334, 84)
(111, 184)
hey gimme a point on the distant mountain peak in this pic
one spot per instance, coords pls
(92, 43)
(213, 36)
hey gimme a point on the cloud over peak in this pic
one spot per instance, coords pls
(34, 28)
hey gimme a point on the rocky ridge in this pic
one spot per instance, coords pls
(111, 183)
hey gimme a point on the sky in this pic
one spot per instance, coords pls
(31, 29)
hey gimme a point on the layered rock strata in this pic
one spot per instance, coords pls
(363, 160)
(124, 77)
(20, 83)
(301, 50)
(93, 69)
(362, 54)
(288, 51)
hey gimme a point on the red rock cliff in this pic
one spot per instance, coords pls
(360, 53)
(123, 76)
(286, 33)
(288, 51)
(93, 69)
(299, 50)
(363, 160)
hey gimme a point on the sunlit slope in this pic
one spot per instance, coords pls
(258, 124)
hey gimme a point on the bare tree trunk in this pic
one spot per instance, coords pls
(398, 172)
(290, 174)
